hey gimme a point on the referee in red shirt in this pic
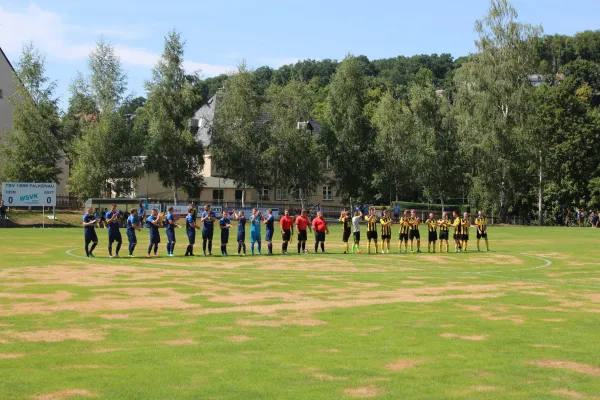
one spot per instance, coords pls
(320, 227)
(287, 230)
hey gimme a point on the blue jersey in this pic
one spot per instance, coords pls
(153, 228)
(88, 229)
(113, 226)
(141, 212)
(242, 225)
(224, 222)
(189, 220)
(208, 223)
(170, 223)
(270, 222)
(132, 220)
(255, 223)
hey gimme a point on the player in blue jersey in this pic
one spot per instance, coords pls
(241, 235)
(114, 234)
(225, 225)
(89, 232)
(269, 221)
(190, 227)
(170, 225)
(154, 222)
(207, 219)
(132, 226)
(255, 221)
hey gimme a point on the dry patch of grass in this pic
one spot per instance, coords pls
(239, 338)
(403, 364)
(180, 342)
(484, 388)
(580, 368)
(476, 338)
(57, 335)
(517, 319)
(568, 393)
(6, 356)
(65, 394)
(546, 346)
(363, 392)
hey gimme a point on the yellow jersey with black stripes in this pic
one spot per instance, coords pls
(346, 223)
(431, 225)
(386, 230)
(371, 223)
(481, 224)
(414, 223)
(444, 224)
(465, 224)
(456, 225)
(404, 226)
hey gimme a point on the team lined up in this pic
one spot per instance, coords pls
(409, 230)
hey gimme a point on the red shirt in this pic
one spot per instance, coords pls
(319, 224)
(286, 223)
(301, 222)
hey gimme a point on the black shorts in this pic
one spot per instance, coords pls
(433, 236)
(91, 237)
(171, 236)
(320, 236)
(414, 234)
(224, 236)
(444, 235)
(403, 237)
(346, 236)
(356, 237)
(371, 235)
(302, 237)
(114, 236)
(457, 236)
(192, 236)
(286, 235)
(464, 237)
(386, 237)
(481, 235)
(207, 235)
(131, 237)
(155, 239)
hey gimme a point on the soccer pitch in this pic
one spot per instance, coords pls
(519, 322)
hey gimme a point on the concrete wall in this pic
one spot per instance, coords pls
(7, 85)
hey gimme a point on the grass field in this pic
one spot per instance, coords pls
(520, 322)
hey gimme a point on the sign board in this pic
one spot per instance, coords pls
(178, 209)
(263, 210)
(152, 206)
(19, 194)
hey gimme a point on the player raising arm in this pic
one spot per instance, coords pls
(346, 221)
(207, 219)
(356, 231)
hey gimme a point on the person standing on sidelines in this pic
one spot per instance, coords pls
(404, 232)
(241, 234)
(2, 211)
(457, 231)
(320, 228)
(432, 228)
(481, 224)
(89, 232)
(270, 230)
(444, 225)
(114, 234)
(141, 212)
(190, 228)
(302, 224)
(346, 221)
(171, 223)
(371, 230)
(255, 236)
(225, 225)
(154, 222)
(356, 231)
(207, 219)
(287, 230)
(386, 231)
(132, 226)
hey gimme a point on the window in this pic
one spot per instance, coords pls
(263, 194)
(326, 165)
(299, 194)
(327, 193)
(218, 194)
(238, 194)
(281, 194)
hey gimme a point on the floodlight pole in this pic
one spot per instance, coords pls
(43, 218)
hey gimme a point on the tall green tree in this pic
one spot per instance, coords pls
(31, 151)
(238, 139)
(173, 151)
(353, 149)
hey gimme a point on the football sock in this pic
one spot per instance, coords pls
(303, 246)
(210, 246)
(110, 249)
(299, 246)
(447, 247)
(464, 245)
(376, 248)
(487, 245)
(119, 244)
(346, 246)
(188, 250)
(222, 250)
(399, 246)
(252, 247)
(204, 245)
(270, 247)
(283, 245)
(368, 247)
(316, 246)
(411, 245)
(323, 247)
(93, 247)
(244, 247)
(87, 250)
(225, 249)
(168, 247)
(239, 248)
(172, 247)
(440, 246)
(155, 247)
(418, 245)
(150, 248)
(259, 246)
(478, 245)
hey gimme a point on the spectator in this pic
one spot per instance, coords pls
(396, 211)
(3, 214)
(593, 219)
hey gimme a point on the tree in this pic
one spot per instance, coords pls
(108, 81)
(353, 157)
(238, 137)
(295, 153)
(173, 152)
(31, 151)
(492, 100)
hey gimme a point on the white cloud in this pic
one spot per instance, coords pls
(60, 40)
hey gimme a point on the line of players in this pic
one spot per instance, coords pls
(409, 230)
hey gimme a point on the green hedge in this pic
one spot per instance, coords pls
(432, 207)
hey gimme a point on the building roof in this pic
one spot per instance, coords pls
(8, 61)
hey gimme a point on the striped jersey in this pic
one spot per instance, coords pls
(386, 229)
(414, 223)
(371, 223)
(456, 225)
(465, 225)
(444, 224)
(404, 226)
(481, 224)
(432, 225)
(346, 223)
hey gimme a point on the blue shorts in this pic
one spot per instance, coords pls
(171, 236)
(241, 237)
(131, 237)
(207, 235)
(114, 236)
(154, 239)
(91, 237)
(255, 237)
(269, 235)
(225, 236)
(192, 236)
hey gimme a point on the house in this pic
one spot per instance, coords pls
(218, 189)
(7, 89)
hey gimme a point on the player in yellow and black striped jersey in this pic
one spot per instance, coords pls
(414, 230)
(457, 231)
(432, 229)
(465, 224)
(346, 220)
(371, 230)
(444, 225)
(386, 232)
(481, 224)
(404, 231)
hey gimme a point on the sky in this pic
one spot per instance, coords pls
(220, 34)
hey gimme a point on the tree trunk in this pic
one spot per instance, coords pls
(442, 200)
(175, 198)
(244, 197)
(541, 193)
